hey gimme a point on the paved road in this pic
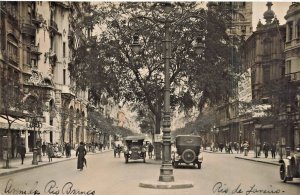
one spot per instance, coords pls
(220, 174)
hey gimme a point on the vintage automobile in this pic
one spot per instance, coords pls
(134, 148)
(290, 167)
(187, 151)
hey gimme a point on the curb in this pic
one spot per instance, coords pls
(249, 159)
(46, 164)
(165, 185)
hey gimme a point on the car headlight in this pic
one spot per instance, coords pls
(200, 157)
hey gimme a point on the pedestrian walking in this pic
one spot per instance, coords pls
(80, 153)
(273, 150)
(230, 148)
(150, 150)
(266, 149)
(50, 152)
(277, 148)
(245, 148)
(221, 146)
(22, 152)
(44, 147)
(68, 150)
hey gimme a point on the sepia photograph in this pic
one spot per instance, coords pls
(149, 97)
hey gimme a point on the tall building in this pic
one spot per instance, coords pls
(263, 54)
(241, 17)
(36, 47)
(292, 73)
(239, 27)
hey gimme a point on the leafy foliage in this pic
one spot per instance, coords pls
(11, 100)
(112, 67)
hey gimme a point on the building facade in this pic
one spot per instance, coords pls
(292, 73)
(263, 53)
(35, 52)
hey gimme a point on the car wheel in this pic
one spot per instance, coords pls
(188, 156)
(283, 172)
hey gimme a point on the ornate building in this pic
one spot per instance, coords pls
(292, 73)
(35, 51)
(263, 53)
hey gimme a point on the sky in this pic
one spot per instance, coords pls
(280, 9)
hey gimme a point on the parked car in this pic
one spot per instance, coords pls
(134, 149)
(290, 167)
(187, 151)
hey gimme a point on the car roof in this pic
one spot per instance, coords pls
(135, 137)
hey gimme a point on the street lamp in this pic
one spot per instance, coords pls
(34, 121)
(166, 170)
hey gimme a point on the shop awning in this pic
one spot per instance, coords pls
(18, 124)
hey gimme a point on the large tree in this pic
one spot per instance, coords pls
(107, 64)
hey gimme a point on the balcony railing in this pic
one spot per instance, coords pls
(38, 19)
(53, 27)
(28, 29)
(295, 76)
(35, 49)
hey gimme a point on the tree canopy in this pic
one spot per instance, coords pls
(107, 64)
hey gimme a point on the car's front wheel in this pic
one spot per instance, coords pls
(283, 173)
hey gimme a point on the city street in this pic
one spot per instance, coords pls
(220, 174)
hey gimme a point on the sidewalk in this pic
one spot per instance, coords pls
(250, 156)
(16, 166)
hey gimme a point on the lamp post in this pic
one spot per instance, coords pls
(166, 170)
(34, 121)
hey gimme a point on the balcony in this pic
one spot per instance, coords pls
(52, 58)
(35, 50)
(53, 28)
(28, 29)
(67, 93)
(37, 19)
(27, 69)
(295, 76)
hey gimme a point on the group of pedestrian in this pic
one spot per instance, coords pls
(267, 147)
